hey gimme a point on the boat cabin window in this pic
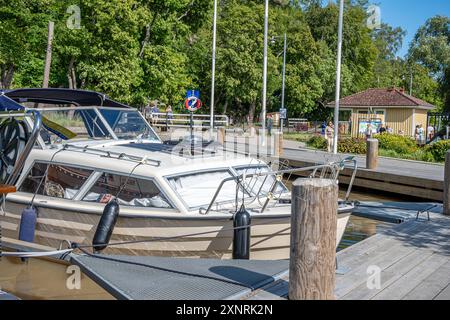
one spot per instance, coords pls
(60, 182)
(198, 189)
(259, 185)
(133, 191)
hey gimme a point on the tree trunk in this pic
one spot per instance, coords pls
(225, 107)
(7, 73)
(71, 75)
(147, 35)
(251, 113)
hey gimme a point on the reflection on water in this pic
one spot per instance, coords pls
(359, 229)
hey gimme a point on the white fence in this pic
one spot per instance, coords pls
(183, 120)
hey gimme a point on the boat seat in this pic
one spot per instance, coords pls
(5, 189)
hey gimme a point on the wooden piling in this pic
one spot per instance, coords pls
(372, 154)
(447, 184)
(278, 144)
(313, 239)
(221, 136)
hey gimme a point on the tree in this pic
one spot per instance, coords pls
(431, 49)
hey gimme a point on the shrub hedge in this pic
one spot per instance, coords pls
(438, 150)
(317, 142)
(397, 143)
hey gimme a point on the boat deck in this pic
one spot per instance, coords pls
(158, 278)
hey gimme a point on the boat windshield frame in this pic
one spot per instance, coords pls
(100, 117)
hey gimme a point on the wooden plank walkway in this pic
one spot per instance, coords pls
(411, 259)
(404, 177)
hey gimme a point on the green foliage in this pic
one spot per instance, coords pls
(136, 50)
(439, 150)
(352, 145)
(397, 143)
(317, 142)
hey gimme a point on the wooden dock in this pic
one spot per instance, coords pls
(411, 259)
(397, 176)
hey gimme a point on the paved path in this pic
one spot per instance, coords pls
(294, 150)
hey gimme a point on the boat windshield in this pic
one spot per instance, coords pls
(198, 189)
(128, 124)
(95, 123)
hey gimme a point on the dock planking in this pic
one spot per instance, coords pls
(413, 260)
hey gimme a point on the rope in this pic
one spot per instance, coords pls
(35, 254)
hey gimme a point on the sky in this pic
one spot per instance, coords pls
(410, 15)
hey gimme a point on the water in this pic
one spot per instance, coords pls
(359, 228)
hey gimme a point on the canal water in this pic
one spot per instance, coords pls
(359, 228)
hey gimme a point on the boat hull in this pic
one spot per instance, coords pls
(184, 237)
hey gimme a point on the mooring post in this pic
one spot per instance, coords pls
(313, 239)
(372, 154)
(278, 143)
(447, 184)
(221, 135)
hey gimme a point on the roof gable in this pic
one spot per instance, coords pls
(392, 97)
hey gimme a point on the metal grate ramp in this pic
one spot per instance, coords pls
(163, 278)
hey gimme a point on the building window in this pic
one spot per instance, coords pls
(133, 191)
(60, 181)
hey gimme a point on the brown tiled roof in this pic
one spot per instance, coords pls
(392, 97)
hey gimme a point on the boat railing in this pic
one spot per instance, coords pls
(112, 154)
(181, 120)
(20, 162)
(326, 171)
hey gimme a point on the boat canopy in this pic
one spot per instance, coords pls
(62, 96)
(7, 104)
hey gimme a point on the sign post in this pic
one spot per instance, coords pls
(283, 116)
(192, 103)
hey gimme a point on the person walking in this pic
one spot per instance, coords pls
(421, 135)
(169, 114)
(329, 136)
(368, 131)
(154, 114)
(430, 130)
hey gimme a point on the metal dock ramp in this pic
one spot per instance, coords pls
(162, 278)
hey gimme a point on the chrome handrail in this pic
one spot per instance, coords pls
(12, 179)
(109, 154)
(239, 179)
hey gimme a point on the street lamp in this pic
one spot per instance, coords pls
(338, 77)
(284, 76)
(264, 91)
(213, 68)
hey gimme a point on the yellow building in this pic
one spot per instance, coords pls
(399, 112)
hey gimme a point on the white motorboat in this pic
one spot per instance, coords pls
(183, 195)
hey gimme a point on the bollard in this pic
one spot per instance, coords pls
(372, 154)
(278, 144)
(446, 206)
(313, 239)
(221, 136)
(241, 236)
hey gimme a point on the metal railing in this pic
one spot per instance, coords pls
(183, 120)
(325, 171)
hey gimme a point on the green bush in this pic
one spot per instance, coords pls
(439, 149)
(397, 143)
(317, 142)
(352, 145)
